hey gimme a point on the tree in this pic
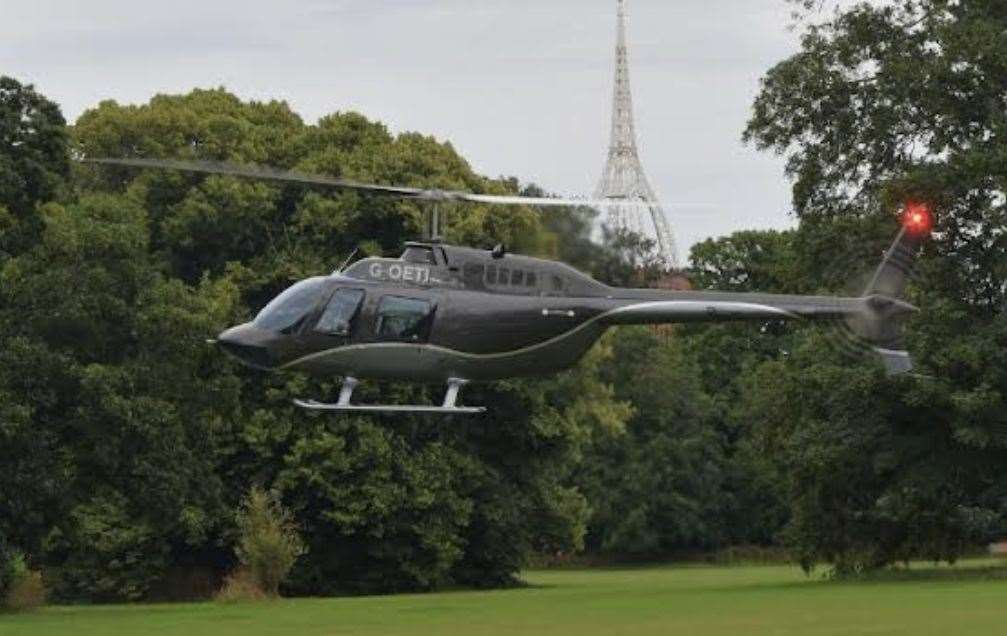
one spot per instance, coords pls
(654, 485)
(148, 437)
(873, 473)
(897, 101)
(888, 103)
(34, 160)
(107, 465)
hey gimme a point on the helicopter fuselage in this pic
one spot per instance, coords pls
(442, 312)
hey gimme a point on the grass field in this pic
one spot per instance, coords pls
(689, 600)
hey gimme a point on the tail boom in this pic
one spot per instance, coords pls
(874, 317)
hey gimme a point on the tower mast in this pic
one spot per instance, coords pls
(624, 178)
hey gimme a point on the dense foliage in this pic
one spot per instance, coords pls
(884, 103)
(126, 443)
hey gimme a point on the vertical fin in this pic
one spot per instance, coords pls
(890, 281)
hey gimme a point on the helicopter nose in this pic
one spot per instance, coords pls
(249, 345)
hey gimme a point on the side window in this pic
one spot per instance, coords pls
(517, 278)
(557, 284)
(531, 280)
(504, 278)
(491, 274)
(419, 255)
(405, 319)
(337, 319)
(473, 274)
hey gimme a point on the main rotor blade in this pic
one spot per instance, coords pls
(289, 176)
(265, 173)
(495, 199)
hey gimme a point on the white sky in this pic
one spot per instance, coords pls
(520, 88)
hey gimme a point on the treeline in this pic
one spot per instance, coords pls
(126, 443)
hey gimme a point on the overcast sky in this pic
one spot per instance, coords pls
(520, 88)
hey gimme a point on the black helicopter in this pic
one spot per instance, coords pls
(442, 313)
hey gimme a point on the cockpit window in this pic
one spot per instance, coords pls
(290, 307)
(340, 312)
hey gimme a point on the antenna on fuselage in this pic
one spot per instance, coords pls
(349, 259)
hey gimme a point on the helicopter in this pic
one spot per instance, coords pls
(442, 313)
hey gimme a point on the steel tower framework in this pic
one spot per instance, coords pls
(624, 178)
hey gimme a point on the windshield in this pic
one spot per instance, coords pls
(287, 309)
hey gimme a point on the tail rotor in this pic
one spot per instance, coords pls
(878, 327)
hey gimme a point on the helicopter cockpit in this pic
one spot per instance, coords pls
(286, 311)
(312, 308)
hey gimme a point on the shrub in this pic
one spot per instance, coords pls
(26, 593)
(20, 588)
(269, 543)
(13, 567)
(241, 585)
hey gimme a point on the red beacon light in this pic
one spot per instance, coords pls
(918, 219)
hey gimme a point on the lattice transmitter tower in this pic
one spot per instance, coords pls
(624, 179)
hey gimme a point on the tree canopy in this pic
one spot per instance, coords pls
(126, 444)
(884, 104)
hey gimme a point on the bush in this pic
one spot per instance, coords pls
(241, 585)
(269, 543)
(26, 593)
(13, 567)
(20, 588)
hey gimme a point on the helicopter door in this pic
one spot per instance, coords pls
(401, 319)
(340, 313)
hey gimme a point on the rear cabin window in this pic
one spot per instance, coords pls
(517, 278)
(338, 316)
(491, 274)
(473, 274)
(404, 319)
(557, 284)
(531, 280)
(504, 278)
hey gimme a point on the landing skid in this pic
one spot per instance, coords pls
(312, 405)
(349, 384)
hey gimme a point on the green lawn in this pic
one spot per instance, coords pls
(688, 600)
